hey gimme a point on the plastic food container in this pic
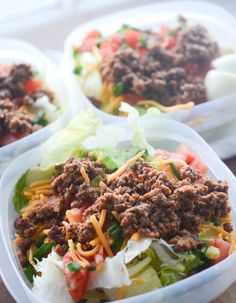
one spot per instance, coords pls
(17, 51)
(219, 23)
(200, 288)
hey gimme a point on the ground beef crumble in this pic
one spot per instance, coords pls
(146, 199)
(16, 121)
(168, 76)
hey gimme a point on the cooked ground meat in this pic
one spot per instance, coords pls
(147, 200)
(16, 121)
(168, 76)
(70, 182)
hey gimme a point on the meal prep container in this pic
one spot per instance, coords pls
(219, 23)
(200, 288)
(17, 51)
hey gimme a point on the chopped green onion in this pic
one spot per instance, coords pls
(116, 232)
(40, 242)
(175, 170)
(119, 89)
(113, 227)
(73, 267)
(124, 27)
(172, 32)
(92, 268)
(95, 182)
(43, 251)
(125, 46)
(143, 40)
(30, 273)
(75, 52)
(40, 118)
(116, 244)
(216, 221)
(78, 70)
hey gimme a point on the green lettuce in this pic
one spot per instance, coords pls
(69, 141)
(150, 281)
(19, 200)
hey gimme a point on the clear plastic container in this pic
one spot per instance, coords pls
(219, 23)
(199, 288)
(17, 51)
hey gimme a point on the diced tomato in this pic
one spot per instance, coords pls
(75, 215)
(115, 41)
(171, 42)
(191, 158)
(131, 37)
(224, 248)
(131, 98)
(88, 45)
(4, 70)
(106, 50)
(164, 30)
(168, 155)
(94, 34)
(6, 138)
(32, 85)
(77, 282)
(142, 52)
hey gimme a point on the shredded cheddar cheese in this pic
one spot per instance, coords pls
(84, 175)
(123, 168)
(165, 109)
(74, 255)
(116, 215)
(102, 218)
(136, 236)
(101, 235)
(89, 252)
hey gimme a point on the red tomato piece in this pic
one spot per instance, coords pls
(224, 248)
(171, 42)
(94, 34)
(168, 155)
(106, 50)
(191, 158)
(131, 37)
(4, 70)
(131, 98)
(75, 215)
(142, 52)
(88, 45)
(6, 138)
(164, 30)
(32, 85)
(115, 41)
(77, 282)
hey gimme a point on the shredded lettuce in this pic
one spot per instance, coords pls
(51, 285)
(68, 142)
(150, 281)
(138, 136)
(19, 200)
(114, 274)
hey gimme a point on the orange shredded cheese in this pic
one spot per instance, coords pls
(123, 289)
(101, 235)
(136, 236)
(41, 182)
(102, 185)
(88, 252)
(116, 215)
(165, 109)
(123, 168)
(74, 255)
(217, 229)
(84, 175)
(102, 218)
(44, 191)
